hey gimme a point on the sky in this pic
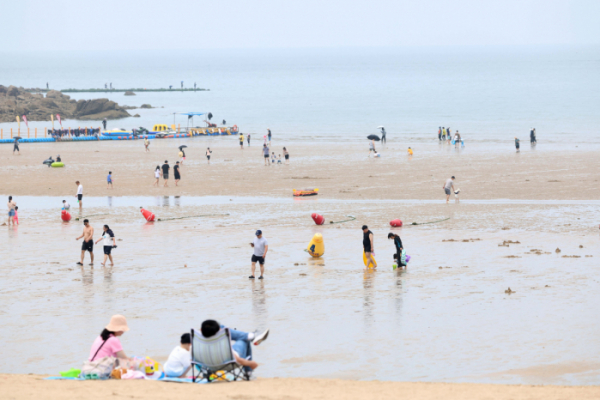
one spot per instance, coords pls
(103, 25)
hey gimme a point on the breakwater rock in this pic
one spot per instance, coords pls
(16, 101)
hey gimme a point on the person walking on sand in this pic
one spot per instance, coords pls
(109, 243)
(176, 173)
(517, 144)
(241, 141)
(286, 154)
(368, 247)
(269, 136)
(165, 173)
(208, 153)
(372, 148)
(88, 241)
(266, 154)
(156, 175)
(449, 188)
(399, 248)
(261, 246)
(79, 194)
(109, 181)
(532, 137)
(147, 144)
(440, 133)
(181, 156)
(16, 146)
(248, 139)
(11, 211)
(383, 133)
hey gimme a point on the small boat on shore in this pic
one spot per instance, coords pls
(306, 192)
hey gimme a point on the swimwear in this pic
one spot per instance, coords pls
(88, 246)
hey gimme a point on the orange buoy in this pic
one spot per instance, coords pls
(65, 216)
(148, 215)
(396, 223)
(319, 219)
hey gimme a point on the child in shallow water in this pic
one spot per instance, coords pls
(16, 219)
(279, 159)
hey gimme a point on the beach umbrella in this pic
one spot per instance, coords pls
(17, 138)
(182, 147)
(380, 127)
(373, 137)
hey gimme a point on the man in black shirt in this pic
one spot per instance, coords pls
(368, 246)
(165, 173)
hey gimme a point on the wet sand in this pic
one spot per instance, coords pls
(339, 170)
(26, 387)
(446, 318)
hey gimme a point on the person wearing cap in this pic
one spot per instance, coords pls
(261, 246)
(108, 344)
(368, 246)
(449, 188)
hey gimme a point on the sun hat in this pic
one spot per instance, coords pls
(118, 323)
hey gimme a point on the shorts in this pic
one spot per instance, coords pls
(266, 156)
(287, 156)
(448, 192)
(109, 181)
(16, 148)
(208, 157)
(177, 177)
(79, 197)
(166, 176)
(88, 246)
(261, 260)
(107, 250)
(11, 213)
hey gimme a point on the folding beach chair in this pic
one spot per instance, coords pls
(214, 354)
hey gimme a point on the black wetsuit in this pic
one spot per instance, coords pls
(367, 242)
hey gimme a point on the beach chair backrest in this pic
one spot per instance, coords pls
(213, 353)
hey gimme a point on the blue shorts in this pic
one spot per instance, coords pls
(11, 213)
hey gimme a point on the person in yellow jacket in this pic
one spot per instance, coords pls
(410, 152)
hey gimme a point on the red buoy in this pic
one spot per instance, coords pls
(396, 223)
(65, 216)
(319, 219)
(148, 215)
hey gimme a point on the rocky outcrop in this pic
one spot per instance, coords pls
(16, 101)
(128, 93)
(146, 106)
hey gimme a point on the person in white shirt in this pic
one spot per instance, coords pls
(261, 246)
(156, 175)
(180, 359)
(79, 194)
(109, 243)
(66, 206)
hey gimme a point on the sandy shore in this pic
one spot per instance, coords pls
(34, 387)
(340, 171)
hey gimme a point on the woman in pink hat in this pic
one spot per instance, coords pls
(108, 344)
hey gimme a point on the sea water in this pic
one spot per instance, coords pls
(489, 94)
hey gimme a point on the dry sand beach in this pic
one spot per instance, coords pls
(445, 319)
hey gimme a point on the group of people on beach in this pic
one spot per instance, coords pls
(77, 132)
(108, 238)
(532, 140)
(108, 347)
(445, 134)
(369, 248)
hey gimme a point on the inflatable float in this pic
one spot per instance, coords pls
(365, 259)
(319, 219)
(396, 223)
(149, 216)
(316, 248)
(57, 164)
(306, 192)
(65, 216)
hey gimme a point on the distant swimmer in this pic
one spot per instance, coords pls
(532, 137)
(517, 144)
(449, 188)
(248, 139)
(79, 194)
(368, 246)
(269, 136)
(104, 123)
(383, 133)
(286, 154)
(208, 153)
(88, 241)
(440, 133)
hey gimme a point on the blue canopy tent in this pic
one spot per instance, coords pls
(191, 116)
